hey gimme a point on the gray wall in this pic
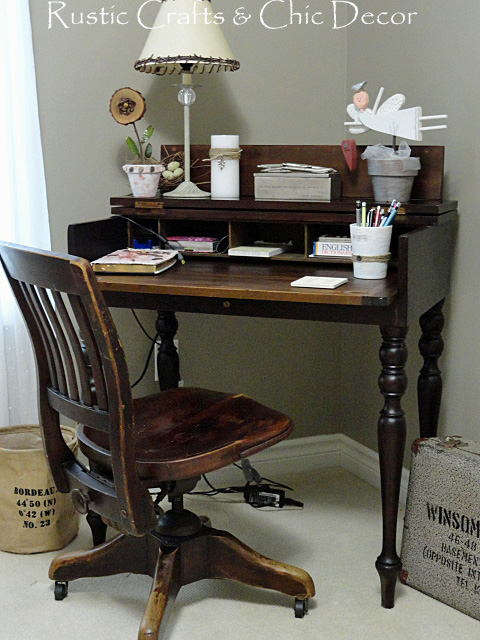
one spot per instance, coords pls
(292, 88)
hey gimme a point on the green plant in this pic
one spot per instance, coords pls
(138, 150)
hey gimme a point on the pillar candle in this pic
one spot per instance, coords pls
(225, 168)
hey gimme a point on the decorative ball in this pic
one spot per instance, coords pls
(178, 171)
(168, 175)
(172, 166)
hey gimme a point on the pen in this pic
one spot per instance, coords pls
(390, 208)
(364, 214)
(370, 217)
(391, 217)
(358, 213)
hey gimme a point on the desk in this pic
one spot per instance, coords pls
(414, 291)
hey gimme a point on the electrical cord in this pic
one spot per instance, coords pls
(142, 375)
(175, 246)
(256, 495)
(143, 328)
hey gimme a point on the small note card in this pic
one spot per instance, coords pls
(319, 282)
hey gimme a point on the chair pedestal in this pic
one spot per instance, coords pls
(173, 561)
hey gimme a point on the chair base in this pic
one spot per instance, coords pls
(174, 561)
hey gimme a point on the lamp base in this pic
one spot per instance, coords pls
(187, 190)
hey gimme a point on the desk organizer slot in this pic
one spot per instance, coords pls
(137, 234)
(248, 233)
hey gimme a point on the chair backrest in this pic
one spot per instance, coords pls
(82, 375)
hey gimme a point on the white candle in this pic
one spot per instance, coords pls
(225, 169)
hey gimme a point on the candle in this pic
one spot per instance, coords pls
(225, 161)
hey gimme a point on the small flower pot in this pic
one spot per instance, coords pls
(144, 179)
(389, 179)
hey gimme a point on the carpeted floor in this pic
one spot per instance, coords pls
(336, 537)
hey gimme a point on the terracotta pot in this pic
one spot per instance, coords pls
(143, 178)
(389, 179)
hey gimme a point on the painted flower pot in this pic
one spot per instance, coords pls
(144, 179)
(390, 180)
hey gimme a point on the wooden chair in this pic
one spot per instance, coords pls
(166, 441)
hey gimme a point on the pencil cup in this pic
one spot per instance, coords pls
(370, 251)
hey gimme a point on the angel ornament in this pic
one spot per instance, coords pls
(387, 117)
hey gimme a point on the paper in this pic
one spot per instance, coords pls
(319, 282)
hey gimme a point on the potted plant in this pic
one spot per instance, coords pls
(127, 106)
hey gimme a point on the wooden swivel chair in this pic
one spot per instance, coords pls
(164, 441)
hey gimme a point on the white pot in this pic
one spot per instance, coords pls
(144, 178)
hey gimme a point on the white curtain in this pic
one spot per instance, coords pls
(23, 212)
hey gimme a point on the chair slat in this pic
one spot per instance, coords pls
(57, 358)
(27, 292)
(64, 347)
(83, 375)
(92, 351)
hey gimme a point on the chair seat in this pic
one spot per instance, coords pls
(186, 432)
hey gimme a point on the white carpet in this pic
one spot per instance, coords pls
(336, 537)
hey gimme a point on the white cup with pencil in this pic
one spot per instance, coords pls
(371, 236)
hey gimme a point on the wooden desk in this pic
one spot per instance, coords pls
(414, 290)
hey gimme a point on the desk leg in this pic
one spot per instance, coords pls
(391, 446)
(168, 364)
(429, 385)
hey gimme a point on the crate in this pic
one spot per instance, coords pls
(441, 537)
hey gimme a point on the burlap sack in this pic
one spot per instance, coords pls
(34, 516)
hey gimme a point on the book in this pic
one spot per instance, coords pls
(319, 282)
(256, 251)
(195, 243)
(335, 247)
(150, 261)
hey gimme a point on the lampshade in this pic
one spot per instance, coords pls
(186, 38)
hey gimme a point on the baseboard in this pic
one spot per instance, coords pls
(337, 450)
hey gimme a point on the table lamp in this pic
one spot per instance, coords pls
(186, 39)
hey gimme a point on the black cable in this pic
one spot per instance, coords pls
(159, 236)
(146, 363)
(214, 491)
(143, 328)
(272, 482)
(218, 250)
(244, 490)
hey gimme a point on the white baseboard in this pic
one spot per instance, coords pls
(337, 450)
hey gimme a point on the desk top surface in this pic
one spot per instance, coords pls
(255, 281)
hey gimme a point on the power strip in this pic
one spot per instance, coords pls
(155, 352)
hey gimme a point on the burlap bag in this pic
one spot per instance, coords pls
(34, 516)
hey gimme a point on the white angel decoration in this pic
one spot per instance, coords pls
(387, 117)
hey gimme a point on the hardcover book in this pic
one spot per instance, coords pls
(150, 261)
(194, 243)
(334, 247)
(256, 251)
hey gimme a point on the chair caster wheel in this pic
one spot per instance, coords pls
(300, 607)
(61, 590)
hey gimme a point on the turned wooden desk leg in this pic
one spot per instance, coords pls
(429, 387)
(391, 446)
(168, 364)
